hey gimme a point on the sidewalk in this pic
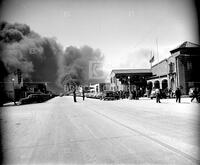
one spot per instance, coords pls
(171, 100)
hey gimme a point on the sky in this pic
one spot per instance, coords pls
(126, 32)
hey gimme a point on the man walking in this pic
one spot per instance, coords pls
(195, 94)
(83, 94)
(178, 95)
(157, 95)
(74, 94)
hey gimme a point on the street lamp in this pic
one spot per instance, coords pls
(13, 81)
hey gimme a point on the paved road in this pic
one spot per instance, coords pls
(101, 132)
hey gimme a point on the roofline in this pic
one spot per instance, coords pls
(118, 70)
(179, 48)
(166, 59)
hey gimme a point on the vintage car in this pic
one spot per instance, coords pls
(34, 98)
(163, 94)
(109, 95)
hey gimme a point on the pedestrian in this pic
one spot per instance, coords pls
(134, 94)
(120, 94)
(83, 94)
(74, 94)
(178, 95)
(137, 94)
(157, 95)
(123, 95)
(195, 94)
(170, 92)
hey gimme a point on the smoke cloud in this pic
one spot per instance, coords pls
(75, 64)
(24, 49)
(43, 59)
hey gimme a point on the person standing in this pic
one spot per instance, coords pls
(157, 95)
(178, 95)
(83, 94)
(194, 94)
(74, 94)
(170, 92)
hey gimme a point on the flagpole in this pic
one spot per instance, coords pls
(150, 58)
(157, 49)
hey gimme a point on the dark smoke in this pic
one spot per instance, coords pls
(36, 56)
(75, 63)
(43, 59)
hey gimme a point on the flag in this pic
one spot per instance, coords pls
(152, 59)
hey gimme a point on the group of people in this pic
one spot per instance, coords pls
(74, 94)
(195, 95)
(135, 94)
(177, 95)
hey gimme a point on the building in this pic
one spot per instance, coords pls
(16, 88)
(13, 84)
(129, 79)
(160, 76)
(100, 87)
(179, 70)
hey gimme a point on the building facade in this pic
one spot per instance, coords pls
(179, 70)
(129, 79)
(100, 87)
(160, 76)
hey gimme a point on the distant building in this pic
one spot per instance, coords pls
(16, 88)
(13, 84)
(100, 87)
(160, 76)
(179, 70)
(129, 79)
(34, 87)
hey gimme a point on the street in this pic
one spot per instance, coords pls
(60, 131)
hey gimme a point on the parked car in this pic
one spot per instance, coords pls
(61, 94)
(89, 95)
(163, 94)
(108, 95)
(34, 98)
(97, 95)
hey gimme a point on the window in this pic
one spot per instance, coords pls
(189, 65)
(171, 67)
